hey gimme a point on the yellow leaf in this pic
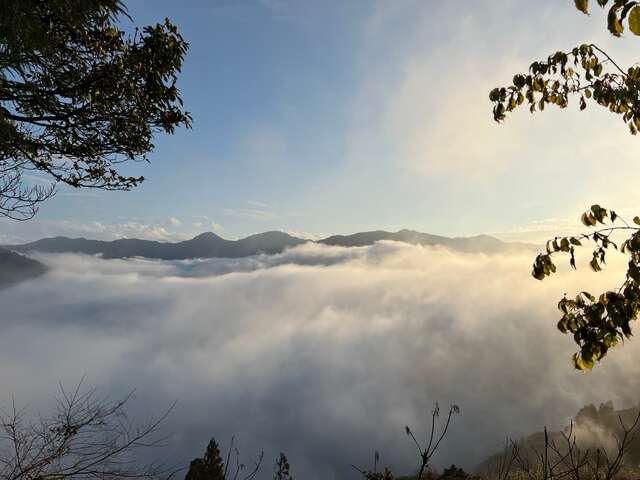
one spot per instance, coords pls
(634, 20)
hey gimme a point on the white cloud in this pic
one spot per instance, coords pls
(20, 232)
(322, 352)
(421, 111)
(543, 230)
(429, 109)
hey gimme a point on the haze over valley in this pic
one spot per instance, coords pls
(323, 351)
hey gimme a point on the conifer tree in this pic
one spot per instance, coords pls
(210, 467)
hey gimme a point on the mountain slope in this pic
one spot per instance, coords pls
(477, 244)
(593, 428)
(15, 268)
(210, 245)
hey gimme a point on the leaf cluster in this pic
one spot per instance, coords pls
(585, 71)
(597, 323)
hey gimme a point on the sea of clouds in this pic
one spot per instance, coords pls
(325, 353)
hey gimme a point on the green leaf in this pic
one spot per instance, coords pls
(636, 220)
(634, 20)
(582, 363)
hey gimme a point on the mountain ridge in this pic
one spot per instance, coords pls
(211, 245)
(16, 268)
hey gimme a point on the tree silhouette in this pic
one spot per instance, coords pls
(456, 473)
(210, 467)
(79, 97)
(282, 470)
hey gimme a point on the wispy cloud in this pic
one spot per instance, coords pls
(256, 214)
(173, 222)
(257, 204)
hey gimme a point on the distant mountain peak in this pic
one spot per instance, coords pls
(207, 236)
(271, 234)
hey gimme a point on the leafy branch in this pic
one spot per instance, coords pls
(586, 71)
(597, 323)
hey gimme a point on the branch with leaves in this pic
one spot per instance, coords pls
(79, 97)
(591, 74)
(597, 323)
(586, 71)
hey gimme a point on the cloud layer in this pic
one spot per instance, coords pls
(325, 353)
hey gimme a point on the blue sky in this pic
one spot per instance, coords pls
(340, 116)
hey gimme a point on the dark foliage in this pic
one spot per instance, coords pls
(282, 469)
(79, 97)
(456, 473)
(210, 467)
(597, 323)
